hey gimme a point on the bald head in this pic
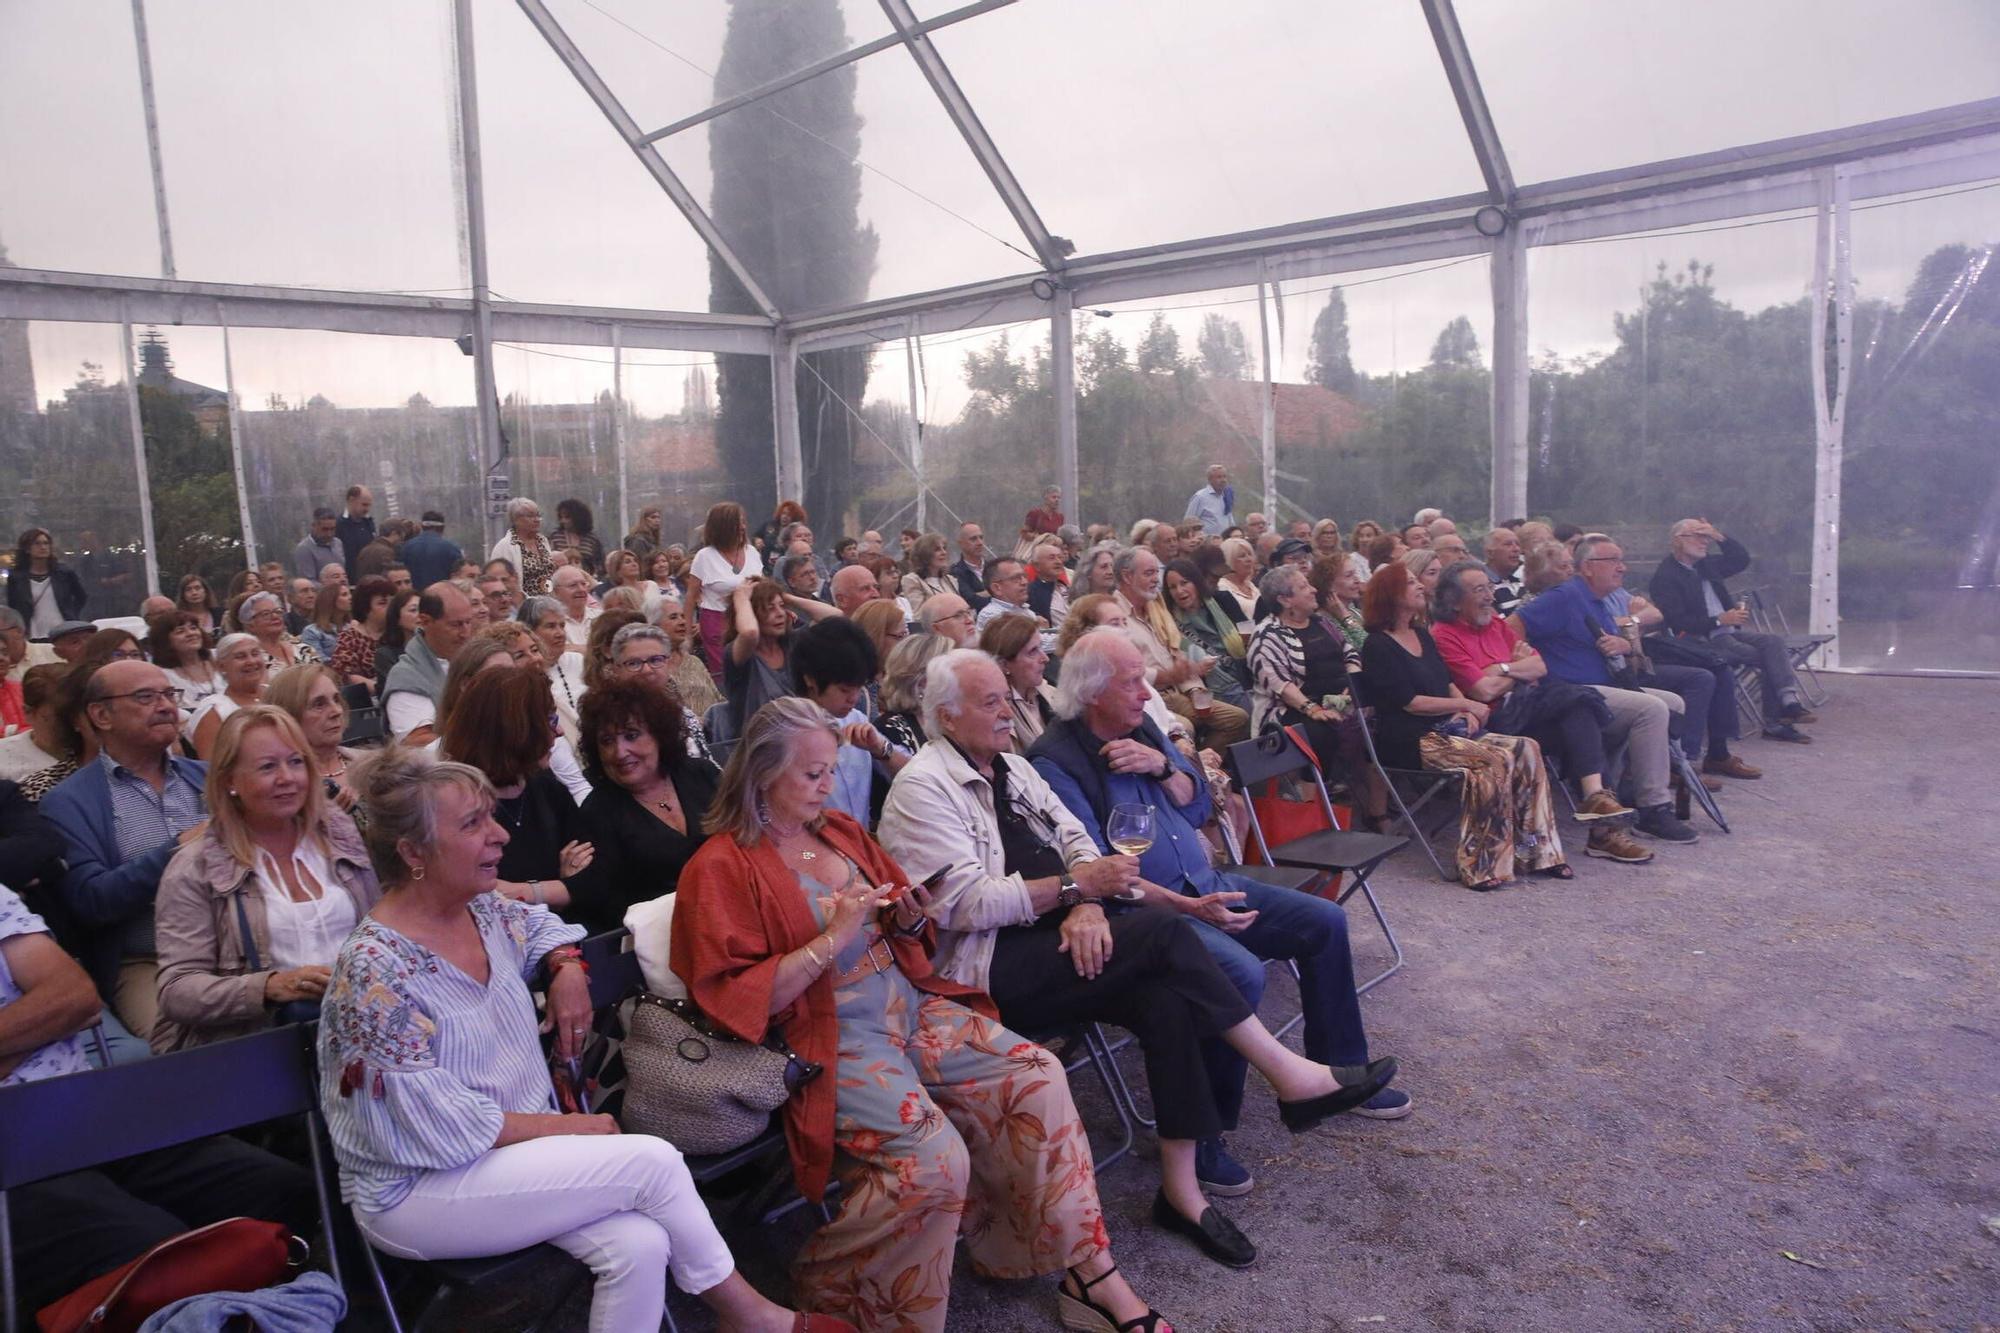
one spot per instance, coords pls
(852, 586)
(947, 613)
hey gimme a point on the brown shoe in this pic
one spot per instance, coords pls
(1600, 804)
(1731, 766)
(1614, 844)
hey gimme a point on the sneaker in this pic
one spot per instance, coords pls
(1217, 1172)
(1614, 844)
(1658, 822)
(1730, 766)
(1785, 731)
(1600, 804)
(1388, 1104)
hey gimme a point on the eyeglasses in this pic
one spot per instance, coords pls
(657, 662)
(145, 698)
(128, 654)
(1615, 559)
(956, 615)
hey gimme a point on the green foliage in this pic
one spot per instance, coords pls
(787, 193)
(195, 519)
(1328, 361)
(1457, 346)
(1224, 351)
(1160, 347)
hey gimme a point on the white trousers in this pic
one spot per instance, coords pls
(622, 1204)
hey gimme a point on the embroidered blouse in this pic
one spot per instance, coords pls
(419, 1062)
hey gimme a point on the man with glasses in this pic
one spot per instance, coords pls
(1569, 627)
(122, 819)
(1007, 580)
(949, 615)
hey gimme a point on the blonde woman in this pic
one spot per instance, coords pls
(251, 913)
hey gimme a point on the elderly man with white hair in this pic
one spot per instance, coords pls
(1101, 752)
(570, 586)
(1029, 909)
(1170, 667)
(948, 614)
(1213, 503)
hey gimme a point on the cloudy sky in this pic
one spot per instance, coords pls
(311, 145)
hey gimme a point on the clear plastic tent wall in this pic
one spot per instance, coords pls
(912, 261)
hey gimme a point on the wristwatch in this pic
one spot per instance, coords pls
(1166, 769)
(1070, 894)
(1506, 670)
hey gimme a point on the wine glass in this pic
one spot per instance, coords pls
(1130, 830)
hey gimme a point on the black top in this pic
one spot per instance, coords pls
(752, 683)
(1326, 661)
(539, 823)
(638, 857)
(1393, 678)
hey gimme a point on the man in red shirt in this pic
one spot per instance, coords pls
(1488, 662)
(1046, 517)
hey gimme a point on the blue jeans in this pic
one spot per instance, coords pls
(1289, 925)
(1711, 711)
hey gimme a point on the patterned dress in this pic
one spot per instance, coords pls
(946, 1125)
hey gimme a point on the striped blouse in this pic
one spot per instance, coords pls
(419, 1062)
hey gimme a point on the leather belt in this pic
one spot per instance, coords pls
(878, 959)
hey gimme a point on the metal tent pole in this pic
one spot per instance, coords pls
(1830, 411)
(139, 465)
(915, 434)
(618, 430)
(1062, 362)
(790, 458)
(1509, 497)
(153, 137)
(485, 388)
(236, 448)
(1269, 398)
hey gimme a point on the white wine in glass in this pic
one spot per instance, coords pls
(1130, 830)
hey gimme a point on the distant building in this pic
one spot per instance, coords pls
(156, 371)
(17, 366)
(698, 397)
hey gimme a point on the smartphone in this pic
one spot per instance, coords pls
(935, 879)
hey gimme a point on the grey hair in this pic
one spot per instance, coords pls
(764, 752)
(942, 689)
(789, 565)
(518, 506)
(1235, 546)
(634, 632)
(1143, 530)
(926, 618)
(1586, 548)
(1277, 584)
(11, 619)
(903, 673)
(229, 641)
(399, 789)
(250, 605)
(534, 608)
(1086, 669)
(1121, 563)
(1418, 559)
(1449, 598)
(1070, 534)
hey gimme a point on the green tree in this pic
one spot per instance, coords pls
(1224, 352)
(1160, 347)
(1329, 364)
(1457, 346)
(787, 195)
(195, 519)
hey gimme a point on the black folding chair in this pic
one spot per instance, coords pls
(1422, 785)
(367, 723)
(1333, 850)
(1799, 648)
(51, 1127)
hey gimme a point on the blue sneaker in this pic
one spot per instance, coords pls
(1217, 1172)
(1388, 1104)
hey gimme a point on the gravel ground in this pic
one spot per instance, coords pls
(1751, 1086)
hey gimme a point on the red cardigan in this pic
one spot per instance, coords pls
(737, 911)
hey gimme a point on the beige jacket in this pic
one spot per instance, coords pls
(940, 814)
(207, 991)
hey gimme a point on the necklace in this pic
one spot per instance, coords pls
(805, 853)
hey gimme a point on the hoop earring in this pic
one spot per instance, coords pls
(416, 872)
(763, 810)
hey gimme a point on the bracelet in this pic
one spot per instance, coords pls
(807, 949)
(560, 958)
(535, 890)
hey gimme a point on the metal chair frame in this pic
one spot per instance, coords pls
(1428, 785)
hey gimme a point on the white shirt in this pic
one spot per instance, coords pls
(303, 934)
(42, 595)
(578, 631)
(409, 710)
(719, 579)
(566, 684)
(219, 704)
(21, 758)
(194, 691)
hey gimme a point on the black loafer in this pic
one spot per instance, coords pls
(1215, 1234)
(1357, 1084)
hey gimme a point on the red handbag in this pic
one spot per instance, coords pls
(1282, 819)
(235, 1254)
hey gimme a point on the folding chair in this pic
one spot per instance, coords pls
(1332, 850)
(1691, 776)
(1799, 648)
(54, 1126)
(1424, 785)
(367, 724)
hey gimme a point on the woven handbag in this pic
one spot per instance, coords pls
(702, 1089)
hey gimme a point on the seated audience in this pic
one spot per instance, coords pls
(45, 740)
(68, 639)
(685, 669)
(244, 671)
(177, 642)
(432, 1099)
(756, 651)
(1301, 666)
(1236, 588)
(1048, 594)
(198, 598)
(123, 817)
(1102, 611)
(501, 726)
(73, 732)
(1017, 649)
(1503, 558)
(251, 913)
(883, 623)
(1490, 663)
(1024, 921)
(641, 653)
(791, 919)
(310, 693)
(930, 571)
(572, 593)
(414, 687)
(1506, 821)
(1180, 676)
(332, 609)
(1007, 589)
(353, 655)
(834, 664)
(74, 1228)
(900, 715)
(562, 663)
(647, 802)
(1568, 625)
(949, 615)
(1205, 623)
(1690, 591)
(1547, 565)
(597, 651)
(262, 616)
(112, 644)
(397, 631)
(850, 588)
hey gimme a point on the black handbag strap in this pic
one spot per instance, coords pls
(250, 954)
